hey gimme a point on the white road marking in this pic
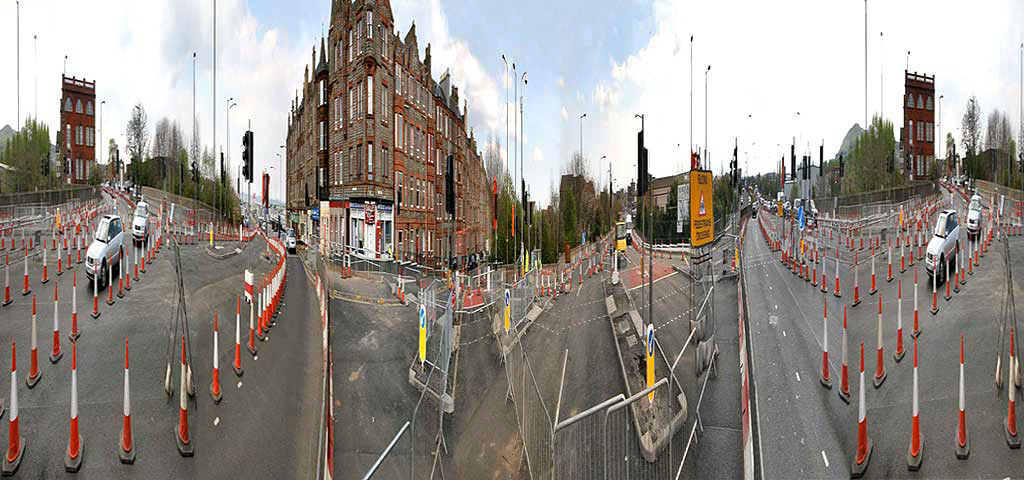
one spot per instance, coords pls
(216, 421)
(239, 384)
(783, 333)
(797, 376)
(823, 457)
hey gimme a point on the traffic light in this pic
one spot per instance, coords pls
(821, 157)
(792, 162)
(641, 164)
(734, 164)
(245, 156)
(449, 186)
(524, 196)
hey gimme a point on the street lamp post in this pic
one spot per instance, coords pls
(227, 136)
(101, 131)
(706, 112)
(507, 150)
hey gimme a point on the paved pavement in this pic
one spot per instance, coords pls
(810, 432)
(265, 426)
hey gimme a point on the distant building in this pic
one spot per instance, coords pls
(918, 130)
(78, 131)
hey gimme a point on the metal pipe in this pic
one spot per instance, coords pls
(384, 454)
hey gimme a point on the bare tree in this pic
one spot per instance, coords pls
(137, 134)
(970, 126)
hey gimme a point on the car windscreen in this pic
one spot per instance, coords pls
(940, 227)
(975, 204)
(141, 212)
(102, 230)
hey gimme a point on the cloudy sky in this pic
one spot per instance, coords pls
(610, 59)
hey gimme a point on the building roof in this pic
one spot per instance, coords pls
(666, 182)
(321, 67)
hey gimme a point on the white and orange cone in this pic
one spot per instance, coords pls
(889, 262)
(126, 452)
(34, 374)
(900, 352)
(844, 381)
(856, 282)
(915, 454)
(76, 447)
(215, 382)
(237, 364)
(880, 373)
(874, 286)
(74, 334)
(963, 442)
(864, 443)
(837, 293)
(95, 297)
(110, 284)
(26, 290)
(252, 330)
(1010, 426)
(15, 442)
(825, 378)
(7, 281)
(917, 325)
(56, 354)
(935, 294)
(185, 447)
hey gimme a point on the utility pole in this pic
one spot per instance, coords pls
(213, 109)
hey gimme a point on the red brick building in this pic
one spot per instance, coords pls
(918, 124)
(378, 153)
(77, 155)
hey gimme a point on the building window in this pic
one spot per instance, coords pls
(369, 160)
(323, 92)
(395, 135)
(369, 95)
(359, 162)
(385, 163)
(928, 105)
(78, 106)
(323, 136)
(67, 132)
(398, 185)
(369, 25)
(337, 112)
(920, 101)
(88, 108)
(351, 163)
(350, 44)
(67, 104)
(398, 79)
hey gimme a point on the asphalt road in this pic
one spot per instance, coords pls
(809, 432)
(266, 425)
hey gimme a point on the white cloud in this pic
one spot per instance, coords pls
(565, 114)
(560, 81)
(538, 156)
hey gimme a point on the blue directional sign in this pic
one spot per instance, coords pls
(800, 217)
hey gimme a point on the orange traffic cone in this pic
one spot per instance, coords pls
(874, 287)
(237, 365)
(34, 374)
(215, 382)
(26, 290)
(15, 442)
(95, 298)
(880, 373)
(856, 282)
(825, 379)
(7, 281)
(110, 284)
(185, 447)
(45, 277)
(915, 454)
(963, 442)
(917, 325)
(864, 444)
(56, 354)
(252, 331)
(74, 308)
(898, 354)
(844, 383)
(889, 262)
(76, 447)
(1010, 430)
(127, 451)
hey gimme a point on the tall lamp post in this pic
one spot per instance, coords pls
(227, 137)
(706, 113)
(507, 147)
(104, 102)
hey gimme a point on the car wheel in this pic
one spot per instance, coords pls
(941, 274)
(103, 275)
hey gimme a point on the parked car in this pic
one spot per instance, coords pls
(975, 217)
(290, 240)
(140, 223)
(943, 247)
(106, 250)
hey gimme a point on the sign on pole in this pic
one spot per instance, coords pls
(508, 309)
(650, 360)
(800, 217)
(702, 222)
(423, 333)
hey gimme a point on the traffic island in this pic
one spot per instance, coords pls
(655, 421)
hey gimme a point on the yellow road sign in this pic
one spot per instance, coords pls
(702, 222)
(649, 341)
(423, 333)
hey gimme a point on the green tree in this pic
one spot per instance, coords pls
(26, 152)
(867, 166)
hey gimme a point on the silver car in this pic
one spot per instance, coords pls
(140, 222)
(943, 247)
(975, 217)
(106, 250)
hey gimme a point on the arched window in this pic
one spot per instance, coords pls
(78, 106)
(67, 104)
(928, 104)
(910, 101)
(88, 108)
(920, 102)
